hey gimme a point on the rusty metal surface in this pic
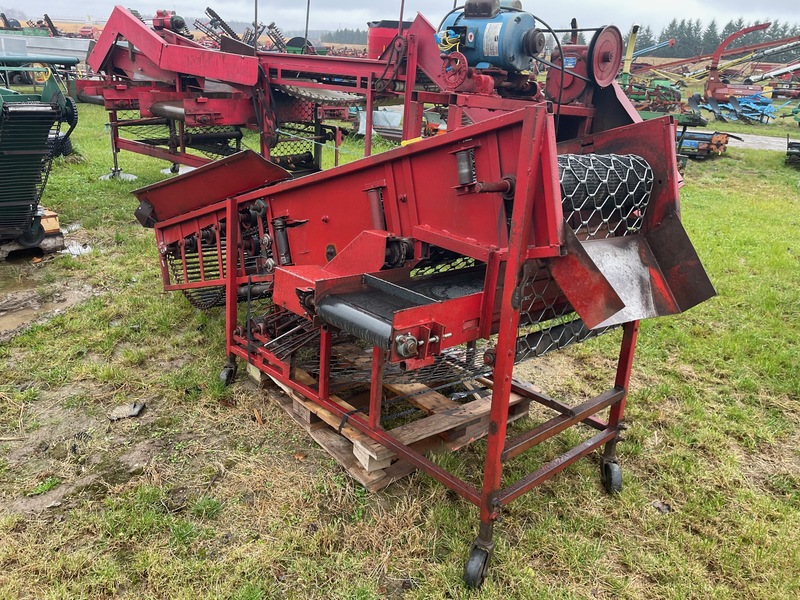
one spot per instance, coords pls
(208, 184)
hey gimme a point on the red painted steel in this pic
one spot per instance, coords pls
(715, 87)
(144, 68)
(387, 230)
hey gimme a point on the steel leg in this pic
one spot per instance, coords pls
(610, 471)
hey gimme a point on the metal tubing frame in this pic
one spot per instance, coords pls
(491, 497)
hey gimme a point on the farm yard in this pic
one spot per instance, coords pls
(213, 490)
(488, 309)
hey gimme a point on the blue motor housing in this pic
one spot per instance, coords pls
(504, 41)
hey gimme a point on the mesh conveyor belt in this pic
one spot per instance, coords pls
(24, 162)
(604, 195)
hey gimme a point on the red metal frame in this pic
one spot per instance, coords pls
(715, 87)
(488, 192)
(521, 142)
(160, 66)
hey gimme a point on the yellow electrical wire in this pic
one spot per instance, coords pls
(448, 44)
(43, 75)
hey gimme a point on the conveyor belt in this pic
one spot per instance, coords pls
(368, 315)
(24, 162)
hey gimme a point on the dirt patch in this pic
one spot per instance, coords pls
(136, 459)
(20, 309)
(49, 500)
(84, 453)
(59, 428)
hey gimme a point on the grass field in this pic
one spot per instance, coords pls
(196, 499)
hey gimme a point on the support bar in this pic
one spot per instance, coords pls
(525, 389)
(525, 484)
(548, 429)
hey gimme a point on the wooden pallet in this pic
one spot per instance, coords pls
(447, 426)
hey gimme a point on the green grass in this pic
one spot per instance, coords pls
(48, 484)
(221, 507)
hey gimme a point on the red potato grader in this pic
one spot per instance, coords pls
(168, 96)
(391, 298)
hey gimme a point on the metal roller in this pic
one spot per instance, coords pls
(355, 321)
(169, 110)
(606, 182)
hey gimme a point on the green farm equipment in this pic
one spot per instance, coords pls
(30, 136)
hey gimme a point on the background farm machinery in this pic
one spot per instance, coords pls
(404, 287)
(30, 136)
(792, 152)
(746, 101)
(169, 97)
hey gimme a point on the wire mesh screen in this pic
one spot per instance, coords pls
(604, 195)
(295, 148)
(212, 141)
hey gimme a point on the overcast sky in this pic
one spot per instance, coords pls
(332, 14)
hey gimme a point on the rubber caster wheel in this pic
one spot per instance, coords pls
(611, 477)
(227, 375)
(34, 236)
(66, 147)
(476, 567)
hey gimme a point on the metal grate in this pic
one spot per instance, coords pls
(547, 321)
(604, 195)
(211, 141)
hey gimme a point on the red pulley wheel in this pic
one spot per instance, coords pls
(454, 70)
(605, 55)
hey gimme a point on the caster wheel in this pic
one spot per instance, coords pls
(67, 147)
(227, 375)
(476, 567)
(175, 168)
(34, 236)
(611, 477)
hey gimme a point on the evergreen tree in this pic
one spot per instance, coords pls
(646, 38)
(671, 31)
(711, 37)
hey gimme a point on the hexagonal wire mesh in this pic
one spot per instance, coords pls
(295, 149)
(603, 196)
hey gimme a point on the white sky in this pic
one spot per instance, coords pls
(331, 14)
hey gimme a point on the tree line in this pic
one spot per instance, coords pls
(692, 37)
(344, 36)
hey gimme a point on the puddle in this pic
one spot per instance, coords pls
(13, 283)
(14, 320)
(75, 248)
(22, 307)
(71, 228)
